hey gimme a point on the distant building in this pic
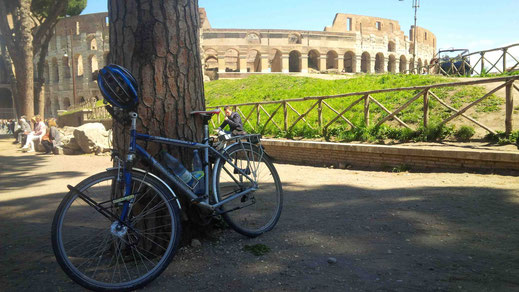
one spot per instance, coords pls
(353, 44)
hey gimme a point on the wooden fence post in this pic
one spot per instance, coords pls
(366, 110)
(482, 63)
(320, 114)
(509, 108)
(426, 108)
(257, 115)
(285, 116)
(504, 59)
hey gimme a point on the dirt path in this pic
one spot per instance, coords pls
(386, 231)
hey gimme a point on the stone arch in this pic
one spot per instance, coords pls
(294, 61)
(55, 70)
(420, 65)
(313, 60)
(66, 67)
(426, 66)
(254, 61)
(211, 63)
(232, 60)
(332, 60)
(349, 62)
(92, 43)
(94, 66)
(403, 64)
(379, 63)
(276, 64)
(294, 38)
(211, 53)
(253, 38)
(391, 47)
(66, 103)
(78, 59)
(211, 60)
(391, 64)
(365, 63)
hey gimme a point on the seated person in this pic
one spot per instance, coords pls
(232, 119)
(23, 131)
(52, 138)
(36, 135)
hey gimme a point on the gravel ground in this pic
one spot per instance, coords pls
(340, 230)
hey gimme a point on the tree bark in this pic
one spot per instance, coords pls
(22, 55)
(158, 41)
(39, 94)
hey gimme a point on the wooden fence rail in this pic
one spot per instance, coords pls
(366, 99)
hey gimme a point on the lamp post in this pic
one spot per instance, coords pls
(416, 5)
(73, 65)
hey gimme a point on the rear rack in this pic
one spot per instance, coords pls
(252, 138)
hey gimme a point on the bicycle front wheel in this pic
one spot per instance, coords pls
(256, 212)
(104, 255)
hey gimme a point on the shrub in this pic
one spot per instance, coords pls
(433, 133)
(500, 138)
(464, 133)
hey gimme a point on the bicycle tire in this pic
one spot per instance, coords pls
(154, 219)
(261, 209)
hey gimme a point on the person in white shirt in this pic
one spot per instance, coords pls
(39, 131)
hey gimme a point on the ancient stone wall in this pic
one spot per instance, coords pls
(80, 42)
(353, 44)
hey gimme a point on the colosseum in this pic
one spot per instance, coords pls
(352, 44)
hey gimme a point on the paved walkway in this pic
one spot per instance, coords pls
(387, 231)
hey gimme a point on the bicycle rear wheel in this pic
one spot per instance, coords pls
(103, 255)
(258, 211)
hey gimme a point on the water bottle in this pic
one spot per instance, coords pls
(198, 173)
(173, 165)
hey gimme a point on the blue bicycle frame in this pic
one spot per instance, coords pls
(202, 201)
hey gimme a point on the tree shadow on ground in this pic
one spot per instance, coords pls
(17, 172)
(431, 238)
(400, 239)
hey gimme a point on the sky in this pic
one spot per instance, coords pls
(475, 25)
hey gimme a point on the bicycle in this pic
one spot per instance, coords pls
(119, 229)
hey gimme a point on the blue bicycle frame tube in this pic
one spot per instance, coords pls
(136, 149)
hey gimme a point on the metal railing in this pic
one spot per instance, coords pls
(463, 65)
(7, 113)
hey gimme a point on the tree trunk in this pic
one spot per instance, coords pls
(158, 41)
(23, 62)
(39, 93)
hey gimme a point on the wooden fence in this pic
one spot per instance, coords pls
(258, 117)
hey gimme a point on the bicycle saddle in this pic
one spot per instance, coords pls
(206, 115)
